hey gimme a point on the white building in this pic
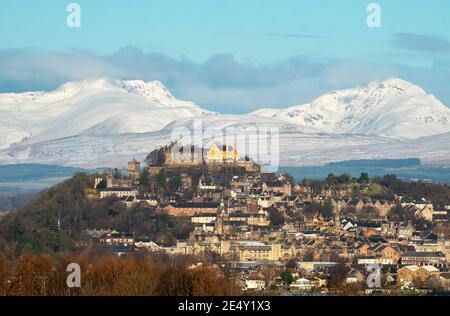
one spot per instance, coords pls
(118, 193)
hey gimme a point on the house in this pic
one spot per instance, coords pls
(284, 187)
(375, 260)
(117, 183)
(363, 250)
(144, 242)
(407, 274)
(348, 224)
(426, 212)
(444, 279)
(254, 285)
(254, 252)
(293, 200)
(189, 209)
(302, 284)
(115, 238)
(266, 200)
(315, 266)
(118, 192)
(203, 218)
(406, 231)
(423, 258)
(387, 254)
(278, 197)
(416, 274)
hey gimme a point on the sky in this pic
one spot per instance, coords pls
(227, 55)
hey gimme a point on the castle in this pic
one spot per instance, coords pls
(192, 163)
(178, 155)
(226, 153)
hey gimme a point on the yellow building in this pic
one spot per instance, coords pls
(271, 252)
(224, 153)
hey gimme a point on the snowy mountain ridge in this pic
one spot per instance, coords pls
(392, 108)
(98, 106)
(104, 122)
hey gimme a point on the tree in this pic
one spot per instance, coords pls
(364, 178)
(144, 180)
(331, 179)
(344, 179)
(325, 210)
(287, 277)
(276, 217)
(175, 183)
(290, 179)
(393, 183)
(161, 178)
(4, 271)
(175, 282)
(338, 275)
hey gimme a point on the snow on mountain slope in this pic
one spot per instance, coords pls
(431, 150)
(392, 108)
(100, 107)
(296, 148)
(104, 122)
(235, 123)
(116, 150)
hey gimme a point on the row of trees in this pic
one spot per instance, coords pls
(141, 275)
(12, 201)
(437, 193)
(391, 185)
(332, 179)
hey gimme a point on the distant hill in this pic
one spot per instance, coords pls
(408, 169)
(380, 163)
(29, 172)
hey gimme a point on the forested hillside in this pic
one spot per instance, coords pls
(35, 227)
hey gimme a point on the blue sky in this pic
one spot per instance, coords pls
(227, 55)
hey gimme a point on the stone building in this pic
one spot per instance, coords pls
(134, 169)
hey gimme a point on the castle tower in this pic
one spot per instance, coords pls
(134, 169)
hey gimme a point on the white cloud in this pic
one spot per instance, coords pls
(221, 84)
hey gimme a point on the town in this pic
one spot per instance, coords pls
(277, 235)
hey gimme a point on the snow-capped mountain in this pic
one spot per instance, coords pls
(104, 122)
(93, 107)
(392, 108)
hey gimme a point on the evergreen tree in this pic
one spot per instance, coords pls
(364, 178)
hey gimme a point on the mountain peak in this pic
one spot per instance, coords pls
(390, 108)
(97, 106)
(400, 85)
